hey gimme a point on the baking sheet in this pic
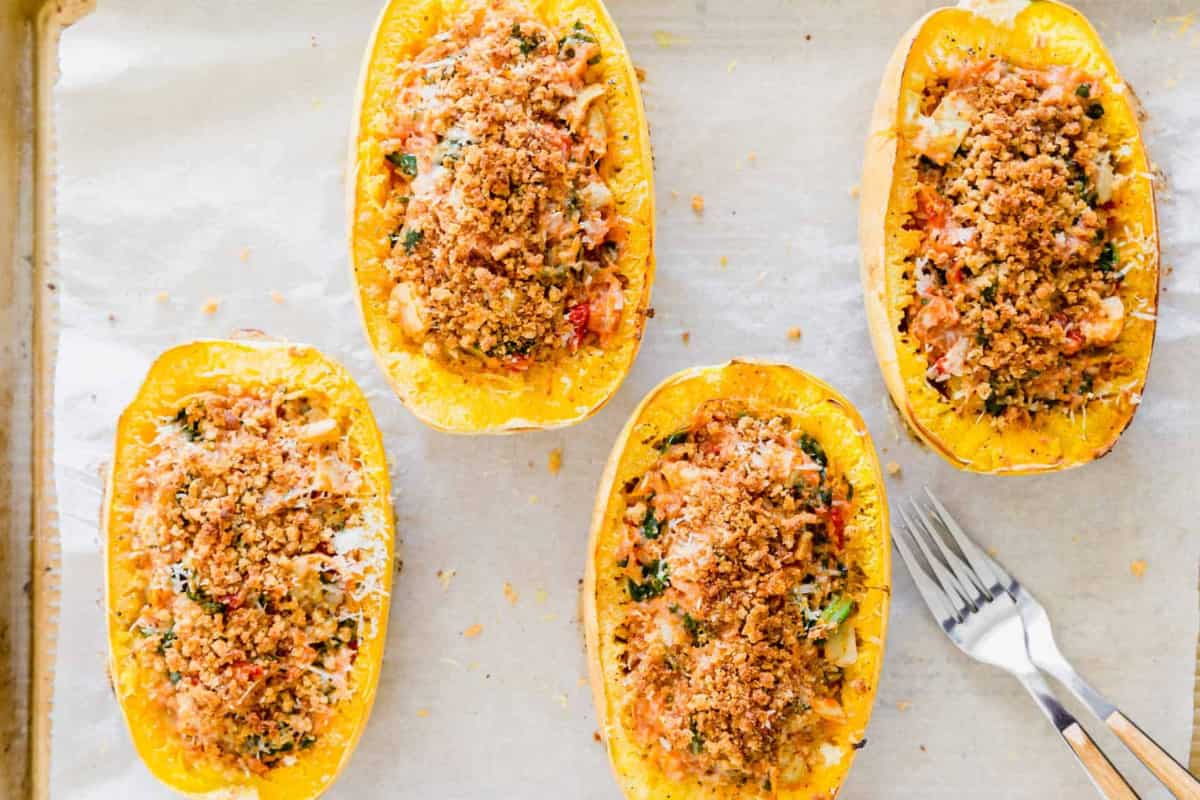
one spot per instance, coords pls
(200, 155)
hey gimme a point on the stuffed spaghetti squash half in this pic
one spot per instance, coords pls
(1009, 241)
(737, 587)
(248, 550)
(501, 210)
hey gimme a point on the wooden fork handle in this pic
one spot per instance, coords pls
(1172, 774)
(1103, 773)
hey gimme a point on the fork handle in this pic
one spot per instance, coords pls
(1104, 775)
(1172, 774)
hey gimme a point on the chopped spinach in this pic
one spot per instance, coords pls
(412, 238)
(678, 437)
(989, 293)
(173, 677)
(168, 638)
(527, 43)
(813, 449)
(657, 578)
(191, 429)
(405, 162)
(1108, 258)
(651, 527)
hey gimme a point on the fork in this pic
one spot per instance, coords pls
(983, 620)
(1044, 653)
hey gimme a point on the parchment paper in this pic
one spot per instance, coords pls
(201, 149)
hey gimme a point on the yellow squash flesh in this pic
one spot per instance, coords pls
(178, 374)
(1037, 35)
(815, 408)
(552, 394)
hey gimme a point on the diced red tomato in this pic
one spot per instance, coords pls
(578, 317)
(518, 363)
(932, 209)
(232, 602)
(837, 526)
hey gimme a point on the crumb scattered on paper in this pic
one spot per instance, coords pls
(596, 736)
(533, 498)
(554, 462)
(510, 594)
(444, 577)
(686, 336)
(562, 700)
(551, 617)
(794, 333)
(724, 261)
(422, 712)
(665, 39)
(752, 156)
(210, 306)
(1138, 568)
(732, 65)
(473, 631)
(162, 297)
(854, 190)
(641, 74)
(276, 298)
(112, 317)
(903, 705)
(698, 203)
(540, 595)
(244, 255)
(893, 468)
(581, 682)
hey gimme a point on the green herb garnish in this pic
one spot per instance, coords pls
(527, 43)
(1095, 111)
(1083, 90)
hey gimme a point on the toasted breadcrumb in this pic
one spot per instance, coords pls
(854, 190)
(540, 595)
(686, 336)
(794, 333)
(162, 297)
(752, 156)
(903, 705)
(210, 306)
(674, 194)
(473, 631)
(1138, 568)
(893, 468)
(444, 577)
(422, 712)
(276, 298)
(244, 255)
(554, 462)
(732, 66)
(698, 203)
(724, 261)
(641, 74)
(510, 594)
(665, 39)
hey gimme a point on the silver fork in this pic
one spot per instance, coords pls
(1044, 652)
(983, 620)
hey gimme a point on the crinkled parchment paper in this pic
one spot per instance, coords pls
(201, 151)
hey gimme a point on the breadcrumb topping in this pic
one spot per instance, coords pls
(734, 637)
(250, 534)
(506, 235)
(1016, 280)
